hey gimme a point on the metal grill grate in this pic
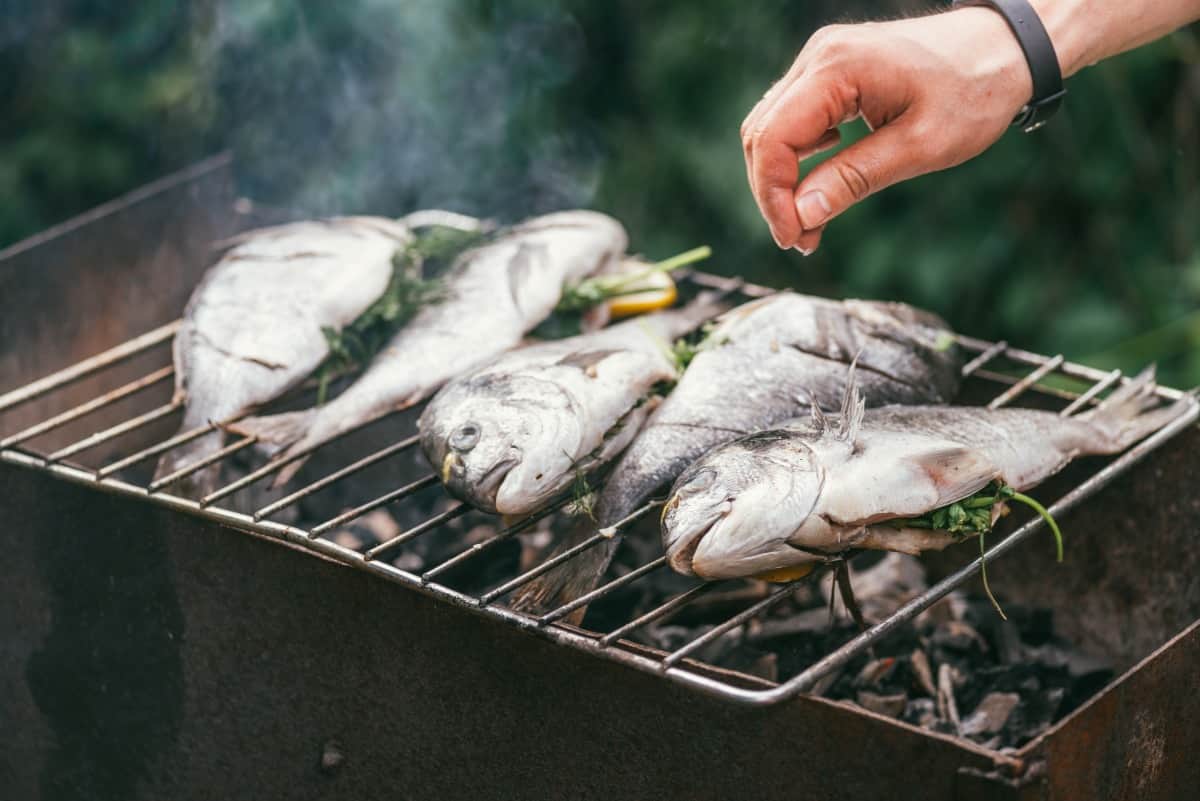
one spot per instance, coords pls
(1023, 371)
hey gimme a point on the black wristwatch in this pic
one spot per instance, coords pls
(1039, 52)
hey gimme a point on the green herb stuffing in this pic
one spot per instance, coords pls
(973, 516)
(598, 289)
(945, 340)
(416, 282)
(583, 497)
(686, 348)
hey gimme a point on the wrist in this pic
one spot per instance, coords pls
(1062, 21)
(991, 53)
(1041, 57)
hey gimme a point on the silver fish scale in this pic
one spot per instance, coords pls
(252, 328)
(494, 294)
(781, 353)
(770, 357)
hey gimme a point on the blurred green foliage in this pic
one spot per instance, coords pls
(1083, 238)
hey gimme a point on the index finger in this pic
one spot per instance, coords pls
(764, 105)
(798, 123)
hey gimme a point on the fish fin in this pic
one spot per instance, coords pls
(1130, 413)
(524, 265)
(200, 483)
(626, 428)
(586, 360)
(853, 406)
(954, 471)
(819, 422)
(276, 431)
(278, 435)
(840, 340)
(929, 475)
(427, 218)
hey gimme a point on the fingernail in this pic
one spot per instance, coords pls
(805, 251)
(813, 209)
(775, 236)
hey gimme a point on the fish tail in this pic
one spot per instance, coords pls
(1133, 412)
(570, 580)
(281, 435)
(200, 483)
(577, 577)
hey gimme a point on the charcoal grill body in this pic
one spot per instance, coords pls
(151, 654)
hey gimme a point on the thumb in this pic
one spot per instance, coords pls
(878, 160)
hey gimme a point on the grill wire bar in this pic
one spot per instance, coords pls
(194, 467)
(181, 438)
(112, 432)
(84, 409)
(679, 665)
(480, 547)
(337, 475)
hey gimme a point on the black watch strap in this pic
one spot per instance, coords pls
(1048, 88)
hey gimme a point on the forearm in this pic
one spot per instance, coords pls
(1087, 31)
(935, 91)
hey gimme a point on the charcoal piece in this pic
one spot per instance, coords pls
(808, 621)
(874, 672)
(921, 712)
(1033, 715)
(1036, 625)
(959, 637)
(348, 538)
(947, 705)
(891, 706)
(822, 688)
(990, 716)
(667, 637)
(922, 672)
(366, 531)
(409, 561)
(1006, 641)
(765, 666)
(1076, 662)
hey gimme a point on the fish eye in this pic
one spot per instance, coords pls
(465, 438)
(701, 481)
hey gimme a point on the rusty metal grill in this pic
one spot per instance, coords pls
(1008, 372)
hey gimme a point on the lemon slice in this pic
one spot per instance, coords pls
(656, 292)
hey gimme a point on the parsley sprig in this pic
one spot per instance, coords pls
(415, 282)
(973, 516)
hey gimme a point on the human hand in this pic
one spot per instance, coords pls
(935, 92)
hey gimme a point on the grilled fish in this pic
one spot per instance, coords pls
(252, 328)
(762, 364)
(495, 294)
(786, 498)
(513, 435)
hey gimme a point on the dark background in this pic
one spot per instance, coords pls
(1083, 238)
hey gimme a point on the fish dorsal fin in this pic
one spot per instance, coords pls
(840, 340)
(586, 360)
(819, 423)
(853, 424)
(522, 267)
(854, 406)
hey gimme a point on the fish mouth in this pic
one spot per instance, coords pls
(683, 548)
(484, 490)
